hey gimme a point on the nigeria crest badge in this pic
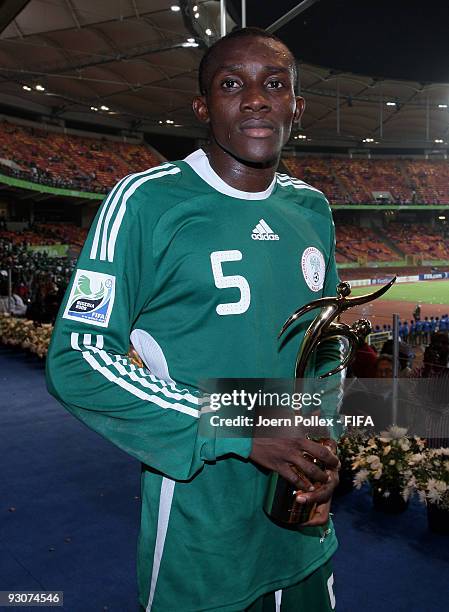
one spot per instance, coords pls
(313, 268)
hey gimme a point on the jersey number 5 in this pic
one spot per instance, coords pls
(225, 282)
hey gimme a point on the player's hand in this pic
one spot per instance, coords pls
(285, 456)
(322, 497)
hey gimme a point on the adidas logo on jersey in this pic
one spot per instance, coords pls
(263, 231)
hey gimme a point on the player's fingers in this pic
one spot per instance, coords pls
(322, 494)
(308, 468)
(320, 452)
(299, 481)
(320, 517)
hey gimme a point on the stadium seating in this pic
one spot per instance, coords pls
(47, 234)
(419, 240)
(345, 180)
(359, 243)
(64, 160)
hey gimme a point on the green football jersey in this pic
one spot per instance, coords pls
(199, 277)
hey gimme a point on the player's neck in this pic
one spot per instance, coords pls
(239, 174)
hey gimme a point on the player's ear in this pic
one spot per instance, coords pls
(199, 106)
(300, 106)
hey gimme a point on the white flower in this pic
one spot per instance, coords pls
(404, 444)
(360, 478)
(441, 486)
(415, 459)
(386, 494)
(378, 474)
(387, 449)
(392, 462)
(373, 461)
(433, 496)
(434, 490)
(393, 433)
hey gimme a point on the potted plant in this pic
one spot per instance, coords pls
(430, 478)
(384, 463)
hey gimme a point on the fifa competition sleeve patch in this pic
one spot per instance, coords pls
(91, 298)
(313, 268)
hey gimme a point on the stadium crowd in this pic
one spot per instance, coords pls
(69, 161)
(365, 181)
(355, 243)
(38, 281)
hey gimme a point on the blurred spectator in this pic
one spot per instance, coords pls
(405, 356)
(384, 367)
(11, 305)
(364, 364)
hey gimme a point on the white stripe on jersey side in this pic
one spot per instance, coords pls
(278, 599)
(165, 503)
(122, 209)
(116, 191)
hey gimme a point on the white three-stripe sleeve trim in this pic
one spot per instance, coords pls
(93, 251)
(116, 192)
(289, 183)
(169, 391)
(138, 374)
(118, 219)
(165, 503)
(74, 337)
(88, 356)
(115, 201)
(177, 394)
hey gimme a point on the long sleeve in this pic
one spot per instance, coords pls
(88, 368)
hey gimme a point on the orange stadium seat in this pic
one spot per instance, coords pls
(65, 160)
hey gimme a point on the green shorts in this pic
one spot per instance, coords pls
(313, 594)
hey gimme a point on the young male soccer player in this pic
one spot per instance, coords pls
(198, 263)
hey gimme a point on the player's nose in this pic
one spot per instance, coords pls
(255, 99)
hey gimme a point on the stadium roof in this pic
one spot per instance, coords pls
(133, 64)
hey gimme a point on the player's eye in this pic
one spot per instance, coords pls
(275, 84)
(230, 84)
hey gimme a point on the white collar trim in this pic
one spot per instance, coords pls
(199, 163)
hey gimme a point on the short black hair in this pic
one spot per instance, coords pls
(206, 60)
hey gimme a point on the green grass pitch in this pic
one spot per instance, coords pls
(426, 292)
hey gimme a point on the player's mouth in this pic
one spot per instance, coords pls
(257, 128)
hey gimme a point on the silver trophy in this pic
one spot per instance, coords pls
(280, 501)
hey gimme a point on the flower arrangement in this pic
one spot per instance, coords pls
(350, 445)
(25, 334)
(385, 462)
(430, 476)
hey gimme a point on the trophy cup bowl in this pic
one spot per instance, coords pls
(280, 500)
